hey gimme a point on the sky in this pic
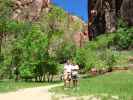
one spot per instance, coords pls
(74, 7)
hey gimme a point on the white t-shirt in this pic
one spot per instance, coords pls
(68, 68)
(75, 69)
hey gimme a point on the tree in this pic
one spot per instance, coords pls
(122, 39)
(67, 50)
(5, 12)
(33, 47)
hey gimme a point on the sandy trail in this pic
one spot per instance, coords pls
(38, 93)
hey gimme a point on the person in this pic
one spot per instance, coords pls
(75, 74)
(67, 73)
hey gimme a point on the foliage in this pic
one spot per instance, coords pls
(26, 71)
(53, 21)
(8, 30)
(109, 58)
(124, 36)
(5, 13)
(97, 54)
(25, 49)
(33, 47)
(80, 57)
(5, 9)
(101, 42)
(95, 59)
(65, 51)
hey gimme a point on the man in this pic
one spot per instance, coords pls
(67, 73)
(75, 75)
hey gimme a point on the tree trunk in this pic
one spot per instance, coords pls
(127, 11)
(44, 78)
(52, 76)
(113, 17)
(110, 16)
(48, 77)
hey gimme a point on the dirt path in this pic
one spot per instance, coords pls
(42, 93)
(38, 93)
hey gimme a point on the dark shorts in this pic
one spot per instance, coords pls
(74, 77)
(69, 76)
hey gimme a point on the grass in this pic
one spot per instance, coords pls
(112, 84)
(6, 86)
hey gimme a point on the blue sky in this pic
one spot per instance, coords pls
(75, 7)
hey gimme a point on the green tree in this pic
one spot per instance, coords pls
(5, 12)
(67, 50)
(33, 47)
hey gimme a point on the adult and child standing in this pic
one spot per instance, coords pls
(71, 73)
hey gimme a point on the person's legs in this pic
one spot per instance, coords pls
(65, 80)
(74, 82)
(77, 81)
(69, 84)
(70, 79)
(64, 83)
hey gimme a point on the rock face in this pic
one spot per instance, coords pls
(107, 13)
(81, 38)
(28, 9)
(80, 34)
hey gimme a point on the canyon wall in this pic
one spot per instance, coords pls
(107, 13)
(29, 9)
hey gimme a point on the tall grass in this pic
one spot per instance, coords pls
(113, 84)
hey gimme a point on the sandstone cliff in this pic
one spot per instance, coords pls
(29, 9)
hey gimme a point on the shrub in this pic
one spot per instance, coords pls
(123, 38)
(101, 42)
(66, 51)
(86, 58)
(90, 57)
(27, 71)
(109, 58)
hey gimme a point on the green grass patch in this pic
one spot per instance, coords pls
(6, 86)
(114, 84)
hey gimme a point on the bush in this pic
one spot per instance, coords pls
(66, 51)
(109, 58)
(93, 57)
(123, 38)
(86, 58)
(101, 42)
(27, 71)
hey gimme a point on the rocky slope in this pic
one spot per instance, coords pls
(29, 9)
